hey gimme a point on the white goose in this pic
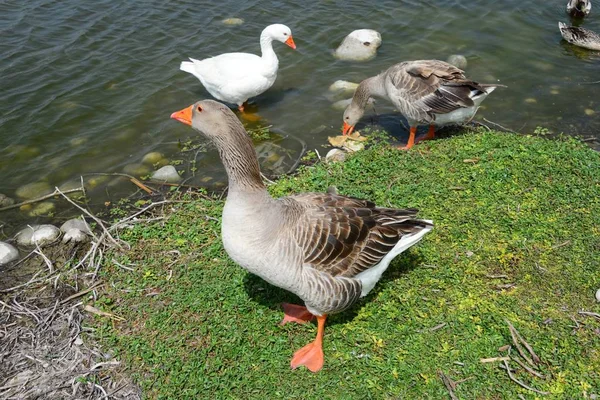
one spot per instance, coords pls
(235, 77)
(328, 249)
(425, 91)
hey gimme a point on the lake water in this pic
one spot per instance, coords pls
(88, 87)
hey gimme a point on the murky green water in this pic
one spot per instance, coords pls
(89, 86)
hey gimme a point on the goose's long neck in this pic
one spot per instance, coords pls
(239, 158)
(266, 48)
(369, 87)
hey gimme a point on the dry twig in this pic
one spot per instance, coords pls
(518, 382)
(450, 385)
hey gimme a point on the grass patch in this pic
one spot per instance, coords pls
(516, 237)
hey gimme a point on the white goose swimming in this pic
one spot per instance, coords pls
(328, 249)
(425, 91)
(236, 77)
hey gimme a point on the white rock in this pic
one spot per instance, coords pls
(343, 86)
(359, 45)
(75, 235)
(168, 173)
(598, 295)
(459, 61)
(335, 155)
(40, 234)
(8, 253)
(76, 223)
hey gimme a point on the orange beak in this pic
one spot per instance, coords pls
(347, 129)
(290, 42)
(184, 115)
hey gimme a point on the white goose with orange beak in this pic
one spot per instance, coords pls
(236, 77)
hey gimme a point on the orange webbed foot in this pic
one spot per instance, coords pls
(295, 313)
(311, 356)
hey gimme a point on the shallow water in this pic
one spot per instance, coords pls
(89, 86)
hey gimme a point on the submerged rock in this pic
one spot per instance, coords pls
(8, 253)
(42, 208)
(168, 173)
(233, 21)
(359, 45)
(152, 158)
(341, 105)
(5, 201)
(136, 169)
(40, 234)
(458, 60)
(343, 86)
(33, 190)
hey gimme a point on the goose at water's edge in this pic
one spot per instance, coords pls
(580, 36)
(236, 77)
(425, 91)
(579, 8)
(328, 249)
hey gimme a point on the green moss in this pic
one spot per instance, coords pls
(521, 207)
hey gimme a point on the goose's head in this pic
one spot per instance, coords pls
(281, 33)
(211, 118)
(351, 116)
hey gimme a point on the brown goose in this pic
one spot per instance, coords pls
(580, 36)
(328, 249)
(426, 92)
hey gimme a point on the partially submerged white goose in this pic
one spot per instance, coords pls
(236, 77)
(328, 249)
(581, 37)
(426, 92)
(579, 8)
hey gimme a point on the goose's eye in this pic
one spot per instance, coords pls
(367, 43)
(347, 117)
(284, 34)
(199, 109)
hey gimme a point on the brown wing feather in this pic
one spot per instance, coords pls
(344, 236)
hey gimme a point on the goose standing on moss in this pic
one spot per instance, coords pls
(236, 77)
(426, 92)
(328, 249)
(579, 8)
(580, 36)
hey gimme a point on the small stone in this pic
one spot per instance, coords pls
(152, 158)
(233, 21)
(359, 45)
(458, 60)
(168, 173)
(554, 91)
(469, 253)
(343, 86)
(78, 341)
(8, 253)
(75, 235)
(33, 190)
(589, 112)
(335, 155)
(530, 100)
(76, 223)
(598, 295)
(136, 169)
(95, 181)
(40, 234)
(43, 208)
(206, 179)
(5, 201)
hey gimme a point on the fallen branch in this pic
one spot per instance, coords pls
(449, 384)
(493, 359)
(589, 314)
(518, 382)
(81, 293)
(95, 311)
(527, 368)
(517, 338)
(139, 184)
(55, 193)
(498, 125)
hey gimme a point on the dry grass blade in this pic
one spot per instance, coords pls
(589, 314)
(493, 359)
(527, 368)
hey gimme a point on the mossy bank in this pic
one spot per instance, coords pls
(517, 238)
